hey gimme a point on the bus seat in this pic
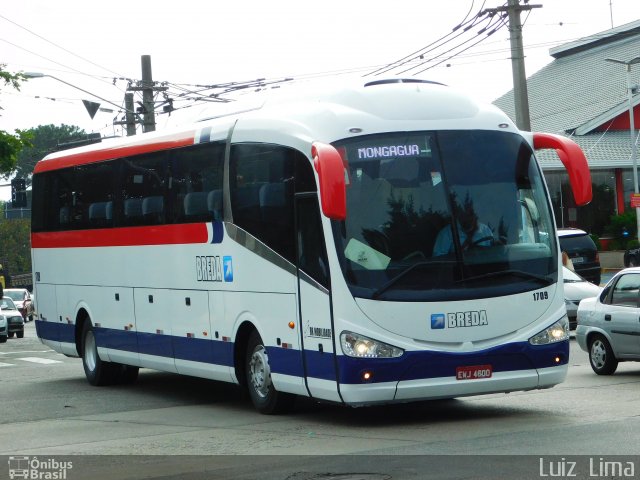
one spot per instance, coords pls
(133, 207)
(195, 204)
(98, 211)
(272, 201)
(153, 208)
(65, 215)
(214, 204)
(375, 203)
(109, 210)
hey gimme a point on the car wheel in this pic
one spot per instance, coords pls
(10, 334)
(263, 394)
(632, 262)
(601, 356)
(98, 373)
(3, 339)
(20, 334)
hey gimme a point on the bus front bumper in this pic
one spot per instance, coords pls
(450, 387)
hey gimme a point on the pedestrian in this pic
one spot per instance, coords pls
(566, 261)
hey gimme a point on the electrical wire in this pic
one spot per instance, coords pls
(433, 44)
(58, 46)
(500, 23)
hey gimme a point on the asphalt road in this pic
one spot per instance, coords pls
(152, 428)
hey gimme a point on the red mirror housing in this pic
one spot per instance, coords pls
(330, 167)
(573, 159)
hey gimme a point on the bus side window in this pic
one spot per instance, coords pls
(196, 172)
(262, 182)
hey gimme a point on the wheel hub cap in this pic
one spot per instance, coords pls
(260, 372)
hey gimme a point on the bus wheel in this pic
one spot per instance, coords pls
(98, 372)
(264, 396)
(601, 356)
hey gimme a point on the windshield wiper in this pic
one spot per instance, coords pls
(404, 273)
(516, 273)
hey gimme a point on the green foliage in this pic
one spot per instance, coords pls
(15, 243)
(44, 140)
(11, 144)
(10, 147)
(620, 223)
(596, 240)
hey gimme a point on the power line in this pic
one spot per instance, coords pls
(57, 46)
(412, 56)
(500, 23)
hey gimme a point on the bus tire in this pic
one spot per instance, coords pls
(601, 357)
(98, 373)
(264, 396)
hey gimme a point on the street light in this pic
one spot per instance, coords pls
(634, 153)
(40, 75)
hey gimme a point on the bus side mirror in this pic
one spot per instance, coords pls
(330, 167)
(573, 159)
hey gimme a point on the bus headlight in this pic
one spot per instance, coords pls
(359, 346)
(557, 332)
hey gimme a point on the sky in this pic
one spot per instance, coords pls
(194, 42)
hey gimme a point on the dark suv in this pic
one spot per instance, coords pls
(582, 252)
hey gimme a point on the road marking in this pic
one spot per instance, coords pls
(6, 365)
(45, 361)
(25, 351)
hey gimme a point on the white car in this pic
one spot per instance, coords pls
(608, 327)
(4, 330)
(23, 300)
(576, 289)
(10, 315)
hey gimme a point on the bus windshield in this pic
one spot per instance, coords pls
(446, 215)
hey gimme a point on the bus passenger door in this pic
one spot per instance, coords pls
(315, 301)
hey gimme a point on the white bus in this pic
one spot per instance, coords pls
(375, 243)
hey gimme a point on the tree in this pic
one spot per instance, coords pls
(15, 244)
(11, 144)
(44, 139)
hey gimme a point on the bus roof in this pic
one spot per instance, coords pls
(306, 113)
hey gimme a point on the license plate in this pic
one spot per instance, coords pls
(474, 372)
(578, 260)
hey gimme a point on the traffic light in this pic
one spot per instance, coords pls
(19, 193)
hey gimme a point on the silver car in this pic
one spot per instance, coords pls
(608, 327)
(10, 313)
(576, 289)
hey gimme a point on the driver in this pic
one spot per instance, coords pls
(472, 232)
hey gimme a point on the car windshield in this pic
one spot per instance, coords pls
(15, 295)
(444, 215)
(7, 304)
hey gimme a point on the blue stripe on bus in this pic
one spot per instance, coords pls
(116, 339)
(218, 231)
(420, 365)
(320, 365)
(412, 365)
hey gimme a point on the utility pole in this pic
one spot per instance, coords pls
(147, 87)
(130, 119)
(520, 94)
(148, 114)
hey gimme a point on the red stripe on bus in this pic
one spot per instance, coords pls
(123, 237)
(182, 139)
